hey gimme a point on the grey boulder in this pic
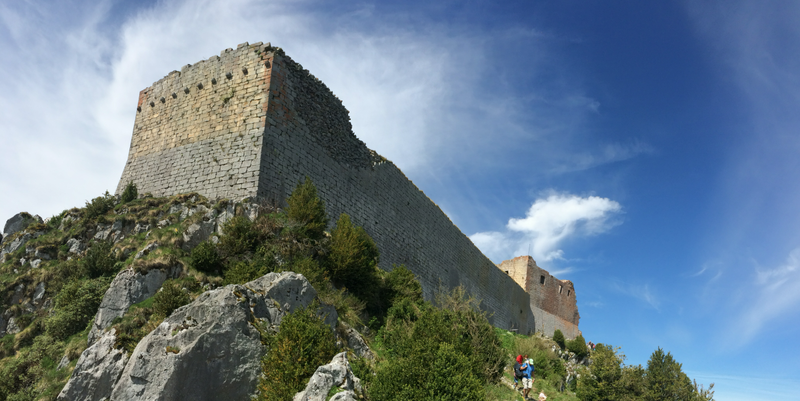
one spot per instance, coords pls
(335, 374)
(98, 368)
(197, 233)
(19, 222)
(12, 246)
(127, 288)
(210, 349)
(356, 342)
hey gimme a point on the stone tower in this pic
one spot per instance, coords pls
(253, 123)
(553, 301)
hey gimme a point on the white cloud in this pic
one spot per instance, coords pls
(548, 223)
(609, 153)
(642, 292)
(774, 295)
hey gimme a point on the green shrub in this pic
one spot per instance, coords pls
(352, 257)
(99, 206)
(306, 208)
(238, 238)
(243, 271)
(558, 337)
(578, 346)
(130, 193)
(413, 328)
(310, 269)
(400, 284)
(99, 260)
(170, 297)
(444, 374)
(205, 258)
(303, 343)
(665, 379)
(75, 305)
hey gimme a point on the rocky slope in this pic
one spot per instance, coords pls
(210, 348)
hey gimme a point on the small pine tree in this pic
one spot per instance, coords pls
(578, 346)
(204, 258)
(558, 337)
(353, 256)
(303, 343)
(665, 378)
(130, 193)
(99, 260)
(169, 298)
(307, 208)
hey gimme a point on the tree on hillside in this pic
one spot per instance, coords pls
(603, 383)
(307, 208)
(353, 257)
(666, 380)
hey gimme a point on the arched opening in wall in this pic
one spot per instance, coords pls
(506, 272)
(541, 279)
(569, 292)
(560, 287)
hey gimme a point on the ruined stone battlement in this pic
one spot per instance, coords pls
(553, 301)
(251, 122)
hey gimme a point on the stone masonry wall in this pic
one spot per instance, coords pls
(301, 129)
(201, 129)
(553, 301)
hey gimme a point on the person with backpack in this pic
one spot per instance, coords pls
(527, 377)
(517, 370)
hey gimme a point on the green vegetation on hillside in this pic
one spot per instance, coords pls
(443, 350)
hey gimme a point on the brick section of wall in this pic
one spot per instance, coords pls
(305, 131)
(553, 301)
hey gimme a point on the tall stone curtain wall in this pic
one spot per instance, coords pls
(289, 125)
(553, 301)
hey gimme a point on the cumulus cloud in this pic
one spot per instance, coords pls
(548, 223)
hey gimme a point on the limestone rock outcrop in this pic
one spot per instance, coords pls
(335, 374)
(98, 369)
(209, 349)
(354, 341)
(19, 222)
(129, 287)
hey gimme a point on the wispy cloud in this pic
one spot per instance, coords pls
(775, 294)
(609, 153)
(642, 292)
(550, 221)
(78, 68)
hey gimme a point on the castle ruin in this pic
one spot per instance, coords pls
(251, 123)
(553, 301)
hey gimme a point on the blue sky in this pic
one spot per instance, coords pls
(647, 151)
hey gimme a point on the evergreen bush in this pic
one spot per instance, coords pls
(558, 337)
(306, 208)
(665, 379)
(578, 346)
(129, 193)
(205, 258)
(243, 271)
(99, 260)
(170, 297)
(75, 305)
(400, 284)
(445, 374)
(99, 206)
(352, 257)
(413, 329)
(303, 343)
(238, 238)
